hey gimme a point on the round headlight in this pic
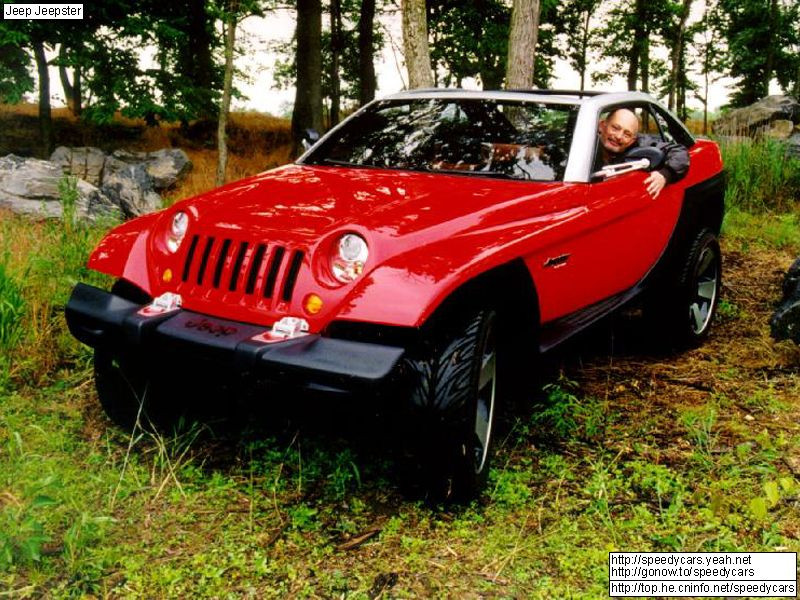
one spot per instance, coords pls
(351, 255)
(180, 223)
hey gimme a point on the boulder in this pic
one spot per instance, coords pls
(85, 162)
(780, 129)
(130, 187)
(785, 321)
(31, 186)
(793, 145)
(754, 118)
(166, 166)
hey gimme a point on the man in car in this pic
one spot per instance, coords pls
(619, 131)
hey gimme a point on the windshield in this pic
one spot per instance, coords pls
(491, 138)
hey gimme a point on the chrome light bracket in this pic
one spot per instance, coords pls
(166, 302)
(286, 328)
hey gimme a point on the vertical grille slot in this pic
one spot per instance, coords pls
(255, 265)
(291, 276)
(223, 254)
(237, 266)
(274, 266)
(189, 256)
(204, 260)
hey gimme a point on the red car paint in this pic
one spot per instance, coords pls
(428, 233)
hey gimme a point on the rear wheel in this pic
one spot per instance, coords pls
(682, 310)
(454, 395)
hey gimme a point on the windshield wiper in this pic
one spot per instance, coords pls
(495, 174)
(338, 163)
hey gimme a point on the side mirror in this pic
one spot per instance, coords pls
(310, 137)
(637, 159)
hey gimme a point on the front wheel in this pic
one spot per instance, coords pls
(131, 395)
(454, 396)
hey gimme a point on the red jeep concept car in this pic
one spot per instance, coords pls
(433, 242)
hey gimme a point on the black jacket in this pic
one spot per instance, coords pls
(676, 156)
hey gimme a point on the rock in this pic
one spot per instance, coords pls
(166, 167)
(793, 145)
(31, 186)
(785, 321)
(780, 129)
(85, 162)
(130, 187)
(751, 119)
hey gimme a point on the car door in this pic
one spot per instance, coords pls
(619, 236)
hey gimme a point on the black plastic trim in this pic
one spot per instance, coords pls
(101, 319)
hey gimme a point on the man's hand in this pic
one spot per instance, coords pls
(655, 183)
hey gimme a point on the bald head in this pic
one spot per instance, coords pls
(618, 130)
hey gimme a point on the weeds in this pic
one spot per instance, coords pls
(762, 176)
(12, 309)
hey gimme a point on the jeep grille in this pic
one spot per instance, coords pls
(259, 270)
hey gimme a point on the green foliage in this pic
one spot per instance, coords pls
(771, 27)
(12, 309)
(567, 415)
(762, 176)
(22, 533)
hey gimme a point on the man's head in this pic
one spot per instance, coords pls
(618, 130)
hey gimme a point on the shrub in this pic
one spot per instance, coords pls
(762, 176)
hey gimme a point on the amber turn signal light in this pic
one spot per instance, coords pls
(312, 304)
(167, 275)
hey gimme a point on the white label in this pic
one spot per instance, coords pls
(714, 574)
(43, 11)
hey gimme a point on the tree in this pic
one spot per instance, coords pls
(415, 44)
(307, 113)
(712, 63)
(522, 38)
(367, 82)
(470, 39)
(770, 26)
(628, 35)
(576, 17)
(678, 52)
(15, 79)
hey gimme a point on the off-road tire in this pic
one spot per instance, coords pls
(453, 398)
(681, 310)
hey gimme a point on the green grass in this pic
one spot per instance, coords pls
(620, 453)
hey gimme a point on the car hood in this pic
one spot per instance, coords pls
(298, 204)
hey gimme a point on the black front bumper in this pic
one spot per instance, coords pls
(103, 320)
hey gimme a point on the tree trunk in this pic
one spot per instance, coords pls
(636, 46)
(366, 64)
(645, 62)
(584, 47)
(197, 62)
(415, 44)
(72, 91)
(222, 123)
(522, 37)
(769, 62)
(45, 118)
(336, 50)
(677, 53)
(307, 113)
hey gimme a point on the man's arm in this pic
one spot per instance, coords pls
(676, 158)
(675, 167)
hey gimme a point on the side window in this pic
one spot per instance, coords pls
(664, 126)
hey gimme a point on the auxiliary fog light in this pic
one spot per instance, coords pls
(164, 303)
(312, 304)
